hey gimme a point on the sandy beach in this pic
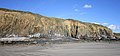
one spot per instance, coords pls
(66, 49)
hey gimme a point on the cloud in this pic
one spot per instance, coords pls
(87, 6)
(82, 13)
(114, 27)
(95, 22)
(111, 26)
(75, 7)
(105, 24)
(76, 10)
(79, 12)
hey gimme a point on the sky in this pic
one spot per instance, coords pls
(104, 12)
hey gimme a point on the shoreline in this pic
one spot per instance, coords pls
(52, 43)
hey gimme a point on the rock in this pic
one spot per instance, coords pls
(29, 24)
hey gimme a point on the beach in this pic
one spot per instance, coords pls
(65, 49)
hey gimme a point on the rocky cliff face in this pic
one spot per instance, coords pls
(27, 23)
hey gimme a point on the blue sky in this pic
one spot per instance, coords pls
(105, 12)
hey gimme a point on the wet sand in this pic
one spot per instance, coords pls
(67, 49)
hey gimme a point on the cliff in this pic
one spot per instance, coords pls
(26, 23)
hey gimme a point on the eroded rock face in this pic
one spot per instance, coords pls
(26, 23)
